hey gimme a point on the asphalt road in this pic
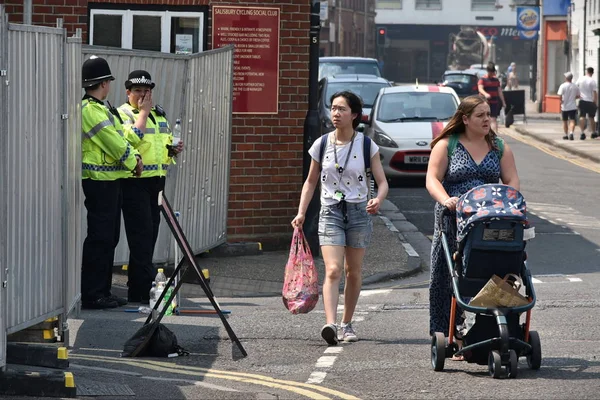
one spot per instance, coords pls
(288, 359)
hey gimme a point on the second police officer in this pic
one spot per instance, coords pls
(152, 137)
(107, 157)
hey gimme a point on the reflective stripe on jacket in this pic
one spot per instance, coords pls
(106, 154)
(151, 143)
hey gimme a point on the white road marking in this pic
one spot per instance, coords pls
(534, 280)
(565, 215)
(317, 377)
(410, 250)
(333, 350)
(366, 293)
(574, 279)
(359, 319)
(325, 361)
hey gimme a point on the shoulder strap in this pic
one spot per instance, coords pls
(367, 154)
(322, 148)
(452, 143)
(500, 144)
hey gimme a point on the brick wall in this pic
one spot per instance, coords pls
(266, 166)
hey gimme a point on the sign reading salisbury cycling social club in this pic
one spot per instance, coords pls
(254, 31)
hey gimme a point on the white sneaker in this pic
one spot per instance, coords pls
(348, 334)
(329, 333)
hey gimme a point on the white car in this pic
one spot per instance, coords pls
(403, 122)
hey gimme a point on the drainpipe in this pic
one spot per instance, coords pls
(27, 6)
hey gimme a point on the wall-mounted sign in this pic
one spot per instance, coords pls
(254, 31)
(528, 18)
(183, 44)
(528, 35)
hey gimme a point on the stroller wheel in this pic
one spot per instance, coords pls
(534, 360)
(438, 351)
(494, 364)
(513, 366)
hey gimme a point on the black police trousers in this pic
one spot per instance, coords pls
(103, 204)
(141, 215)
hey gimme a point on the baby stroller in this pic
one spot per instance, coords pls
(491, 221)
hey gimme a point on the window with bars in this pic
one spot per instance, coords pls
(428, 4)
(389, 4)
(483, 5)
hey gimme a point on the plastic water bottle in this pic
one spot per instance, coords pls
(160, 277)
(172, 303)
(153, 295)
(177, 133)
(160, 288)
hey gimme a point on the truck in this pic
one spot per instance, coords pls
(467, 47)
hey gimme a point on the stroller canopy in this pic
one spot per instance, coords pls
(487, 203)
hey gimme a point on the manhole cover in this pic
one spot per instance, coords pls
(103, 389)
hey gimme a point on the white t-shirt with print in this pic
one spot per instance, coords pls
(353, 181)
(587, 87)
(569, 92)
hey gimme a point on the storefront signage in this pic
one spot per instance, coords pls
(254, 31)
(528, 35)
(528, 18)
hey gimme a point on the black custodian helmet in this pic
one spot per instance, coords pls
(139, 78)
(95, 70)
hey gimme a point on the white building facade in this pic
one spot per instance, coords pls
(418, 35)
(584, 19)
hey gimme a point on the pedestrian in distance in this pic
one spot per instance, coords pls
(512, 81)
(150, 134)
(569, 93)
(588, 102)
(345, 225)
(107, 158)
(489, 87)
(466, 154)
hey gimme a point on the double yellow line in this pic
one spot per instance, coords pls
(589, 165)
(303, 389)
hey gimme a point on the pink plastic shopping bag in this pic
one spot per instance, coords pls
(300, 287)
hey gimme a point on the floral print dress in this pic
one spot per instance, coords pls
(462, 175)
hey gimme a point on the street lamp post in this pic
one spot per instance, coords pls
(597, 33)
(312, 126)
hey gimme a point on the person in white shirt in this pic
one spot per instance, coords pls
(588, 103)
(569, 93)
(345, 225)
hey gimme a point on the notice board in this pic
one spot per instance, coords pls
(254, 31)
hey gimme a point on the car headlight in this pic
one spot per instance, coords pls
(381, 139)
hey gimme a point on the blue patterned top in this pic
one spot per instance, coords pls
(463, 174)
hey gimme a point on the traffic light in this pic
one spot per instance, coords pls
(381, 33)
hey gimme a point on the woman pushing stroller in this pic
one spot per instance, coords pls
(466, 154)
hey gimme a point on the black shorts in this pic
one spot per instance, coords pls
(587, 108)
(495, 109)
(571, 114)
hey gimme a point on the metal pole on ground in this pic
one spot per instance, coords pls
(312, 127)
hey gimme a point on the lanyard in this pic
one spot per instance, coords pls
(337, 165)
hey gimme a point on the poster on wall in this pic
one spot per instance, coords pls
(528, 22)
(254, 31)
(183, 44)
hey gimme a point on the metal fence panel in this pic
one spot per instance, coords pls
(194, 88)
(34, 158)
(3, 178)
(73, 193)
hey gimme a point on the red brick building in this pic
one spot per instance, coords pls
(266, 166)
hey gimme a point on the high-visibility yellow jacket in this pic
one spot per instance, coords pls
(106, 153)
(151, 143)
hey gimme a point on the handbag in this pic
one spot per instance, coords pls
(499, 292)
(300, 292)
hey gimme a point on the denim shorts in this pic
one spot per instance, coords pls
(353, 231)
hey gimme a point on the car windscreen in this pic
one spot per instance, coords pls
(366, 90)
(348, 67)
(414, 106)
(459, 78)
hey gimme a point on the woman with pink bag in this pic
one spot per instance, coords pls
(345, 225)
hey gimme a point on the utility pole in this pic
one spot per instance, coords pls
(312, 127)
(365, 28)
(338, 10)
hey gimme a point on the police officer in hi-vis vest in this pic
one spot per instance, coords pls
(151, 136)
(107, 157)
